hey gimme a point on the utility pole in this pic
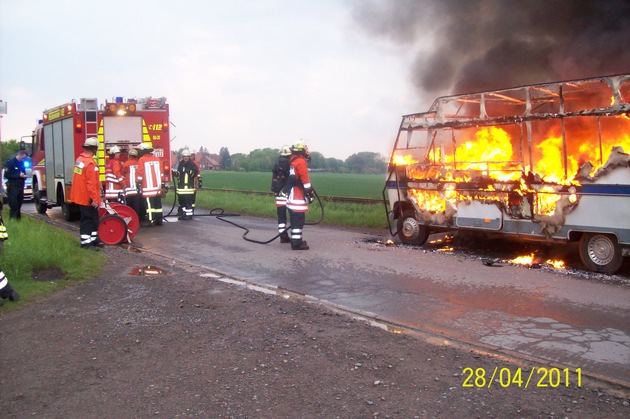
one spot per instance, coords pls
(3, 111)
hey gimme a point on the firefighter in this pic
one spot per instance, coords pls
(149, 176)
(300, 193)
(197, 181)
(129, 174)
(86, 193)
(5, 288)
(187, 172)
(15, 173)
(278, 182)
(114, 179)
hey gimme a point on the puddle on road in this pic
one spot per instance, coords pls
(147, 271)
(130, 248)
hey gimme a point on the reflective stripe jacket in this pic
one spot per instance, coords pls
(296, 201)
(187, 172)
(114, 180)
(86, 185)
(129, 170)
(149, 175)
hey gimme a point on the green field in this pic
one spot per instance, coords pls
(326, 184)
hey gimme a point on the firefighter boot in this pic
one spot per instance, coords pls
(284, 237)
(10, 293)
(298, 244)
(90, 246)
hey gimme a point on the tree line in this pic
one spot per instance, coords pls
(262, 160)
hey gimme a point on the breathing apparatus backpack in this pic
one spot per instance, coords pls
(279, 175)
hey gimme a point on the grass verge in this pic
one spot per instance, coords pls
(341, 214)
(34, 246)
(326, 184)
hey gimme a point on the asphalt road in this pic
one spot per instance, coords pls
(566, 318)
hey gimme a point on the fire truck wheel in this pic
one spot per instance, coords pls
(37, 198)
(410, 231)
(70, 211)
(600, 252)
(112, 229)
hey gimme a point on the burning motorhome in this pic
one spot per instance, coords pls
(545, 162)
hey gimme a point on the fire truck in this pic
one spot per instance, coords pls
(546, 162)
(58, 138)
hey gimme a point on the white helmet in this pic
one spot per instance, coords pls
(115, 149)
(145, 146)
(285, 150)
(133, 152)
(186, 153)
(298, 146)
(91, 142)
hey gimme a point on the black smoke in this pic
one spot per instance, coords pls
(475, 45)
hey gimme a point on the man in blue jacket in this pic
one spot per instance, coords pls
(15, 173)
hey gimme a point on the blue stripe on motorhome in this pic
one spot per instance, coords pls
(530, 228)
(604, 189)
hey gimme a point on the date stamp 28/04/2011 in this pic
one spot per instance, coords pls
(541, 377)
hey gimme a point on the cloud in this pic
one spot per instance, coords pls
(239, 74)
(480, 45)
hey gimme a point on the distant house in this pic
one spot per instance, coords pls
(212, 162)
(207, 162)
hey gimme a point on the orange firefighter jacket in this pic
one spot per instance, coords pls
(86, 185)
(299, 168)
(129, 170)
(114, 180)
(198, 174)
(149, 175)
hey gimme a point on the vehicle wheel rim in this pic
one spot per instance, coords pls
(411, 228)
(601, 250)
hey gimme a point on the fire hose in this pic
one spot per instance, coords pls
(219, 213)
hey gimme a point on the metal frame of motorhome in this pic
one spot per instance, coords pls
(550, 164)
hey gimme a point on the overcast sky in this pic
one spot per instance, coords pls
(248, 74)
(237, 74)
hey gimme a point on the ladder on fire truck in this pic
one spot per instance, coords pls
(90, 106)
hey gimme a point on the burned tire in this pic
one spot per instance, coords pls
(600, 252)
(411, 231)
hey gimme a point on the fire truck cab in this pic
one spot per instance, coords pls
(547, 162)
(58, 138)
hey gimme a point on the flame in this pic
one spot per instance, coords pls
(490, 145)
(446, 239)
(557, 264)
(523, 260)
(491, 159)
(403, 160)
(431, 201)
